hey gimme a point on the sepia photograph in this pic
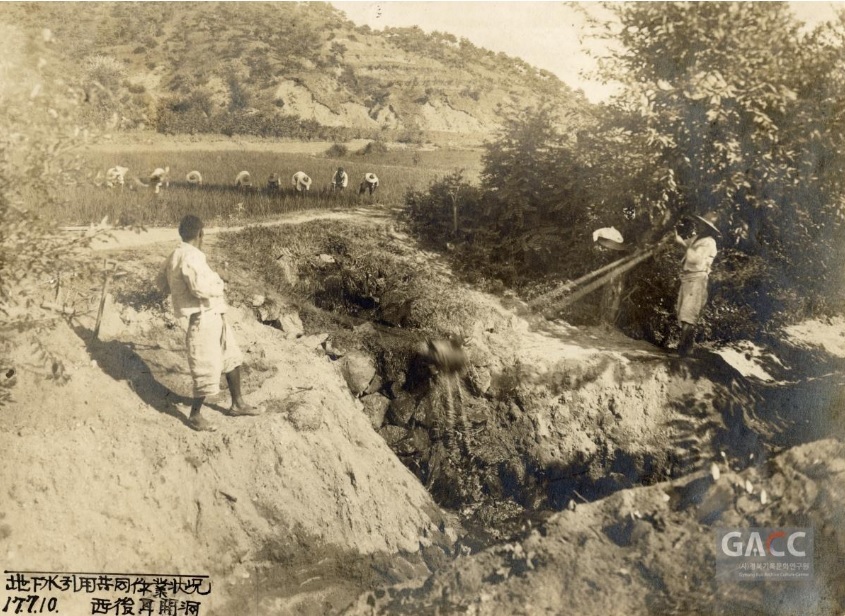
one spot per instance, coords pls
(376, 308)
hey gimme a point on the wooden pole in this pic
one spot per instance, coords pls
(587, 289)
(578, 281)
(616, 268)
(107, 274)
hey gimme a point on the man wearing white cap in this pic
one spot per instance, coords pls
(369, 184)
(160, 177)
(698, 259)
(301, 182)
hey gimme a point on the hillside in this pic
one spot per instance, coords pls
(280, 69)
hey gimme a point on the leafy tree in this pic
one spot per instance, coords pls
(38, 160)
(534, 185)
(528, 218)
(726, 107)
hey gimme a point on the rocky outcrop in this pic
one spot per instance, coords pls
(650, 550)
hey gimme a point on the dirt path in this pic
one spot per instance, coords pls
(121, 239)
(214, 143)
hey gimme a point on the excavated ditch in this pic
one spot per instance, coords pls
(546, 416)
(525, 439)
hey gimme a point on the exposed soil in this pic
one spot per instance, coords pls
(650, 550)
(574, 478)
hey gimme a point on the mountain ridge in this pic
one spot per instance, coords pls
(282, 69)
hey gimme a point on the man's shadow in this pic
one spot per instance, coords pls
(121, 362)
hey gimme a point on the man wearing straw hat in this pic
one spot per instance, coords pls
(369, 184)
(698, 259)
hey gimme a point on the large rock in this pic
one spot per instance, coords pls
(291, 325)
(358, 369)
(287, 267)
(278, 315)
(375, 406)
(480, 379)
(314, 341)
(393, 435)
(305, 416)
(375, 385)
(402, 409)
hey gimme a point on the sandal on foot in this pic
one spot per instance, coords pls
(201, 424)
(247, 411)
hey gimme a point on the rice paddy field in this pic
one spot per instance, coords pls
(219, 202)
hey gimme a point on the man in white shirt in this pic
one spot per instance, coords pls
(116, 176)
(698, 259)
(301, 182)
(340, 179)
(197, 294)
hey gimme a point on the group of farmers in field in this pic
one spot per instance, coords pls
(300, 181)
(198, 294)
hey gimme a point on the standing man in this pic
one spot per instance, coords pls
(340, 179)
(698, 259)
(197, 294)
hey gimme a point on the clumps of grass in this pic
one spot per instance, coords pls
(337, 150)
(373, 147)
(370, 278)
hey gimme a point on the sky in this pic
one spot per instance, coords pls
(549, 35)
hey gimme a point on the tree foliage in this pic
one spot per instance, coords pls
(39, 135)
(37, 160)
(724, 107)
(728, 106)
(530, 211)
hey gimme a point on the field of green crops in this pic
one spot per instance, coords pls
(219, 202)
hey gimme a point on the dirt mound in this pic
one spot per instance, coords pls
(651, 550)
(101, 474)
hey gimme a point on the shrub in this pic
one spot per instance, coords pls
(337, 150)
(105, 70)
(373, 147)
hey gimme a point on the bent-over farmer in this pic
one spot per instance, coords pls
(197, 294)
(368, 184)
(301, 182)
(698, 259)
